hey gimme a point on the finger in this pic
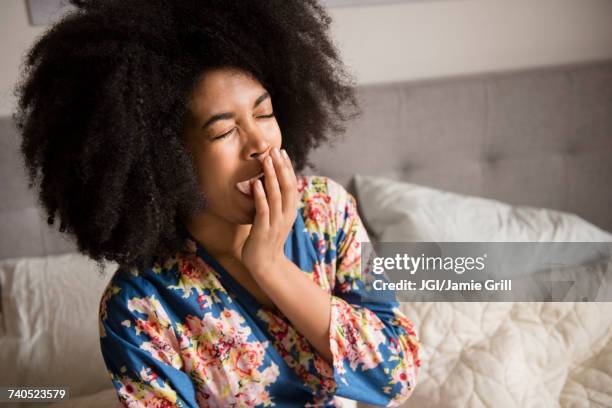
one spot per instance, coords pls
(289, 164)
(288, 184)
(284, 179)
(272, 191)
(261, 206)
(293, 176)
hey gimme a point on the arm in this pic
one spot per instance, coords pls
(288, 287)
(371, 348)
(374, 345)
(263, 255)
(140, 349)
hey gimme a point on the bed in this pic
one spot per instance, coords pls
(522, 155)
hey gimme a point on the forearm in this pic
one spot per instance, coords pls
(304, 303)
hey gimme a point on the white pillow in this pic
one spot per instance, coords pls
(403, 212)
(50, 313)
(397, 211)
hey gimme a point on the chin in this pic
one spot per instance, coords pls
(250, 218)
(244, 216)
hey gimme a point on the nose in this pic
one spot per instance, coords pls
(258, 147)
(262, 155)
(260, 152)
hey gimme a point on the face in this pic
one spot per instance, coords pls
(230, 131)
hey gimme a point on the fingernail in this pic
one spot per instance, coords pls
(285, 155)
(275, 152)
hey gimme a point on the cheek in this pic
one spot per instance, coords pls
(214, 174)
(276, 129)
(276, 134)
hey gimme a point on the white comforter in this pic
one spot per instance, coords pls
(473, 354)
(513, 354)
(501, 355)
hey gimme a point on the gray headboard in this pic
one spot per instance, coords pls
(538, 137)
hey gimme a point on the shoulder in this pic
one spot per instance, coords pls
(127, 282)
(126, 294)
(326, 204)
(313, 188)
(135, 318)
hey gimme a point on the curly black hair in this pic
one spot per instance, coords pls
(103, 101)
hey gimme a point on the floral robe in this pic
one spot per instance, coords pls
(186, 334)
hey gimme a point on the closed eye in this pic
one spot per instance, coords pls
(223, 136)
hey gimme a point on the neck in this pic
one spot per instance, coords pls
(222, 239)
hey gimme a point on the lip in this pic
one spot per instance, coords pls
(244, 187)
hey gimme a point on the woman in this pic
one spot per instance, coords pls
(150, 129)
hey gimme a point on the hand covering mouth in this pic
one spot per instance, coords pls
(244, 186)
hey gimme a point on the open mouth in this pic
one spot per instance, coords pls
(244, 186)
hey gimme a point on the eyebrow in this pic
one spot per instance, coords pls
(230, 115)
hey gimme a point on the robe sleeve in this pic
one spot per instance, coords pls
(374, 345)
(140, 349)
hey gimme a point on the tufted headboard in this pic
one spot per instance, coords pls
(539, 137)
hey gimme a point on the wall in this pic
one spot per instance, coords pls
(415, 40)
(16, 35)
(430, 39)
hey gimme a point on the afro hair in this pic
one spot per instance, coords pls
(102, 103)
